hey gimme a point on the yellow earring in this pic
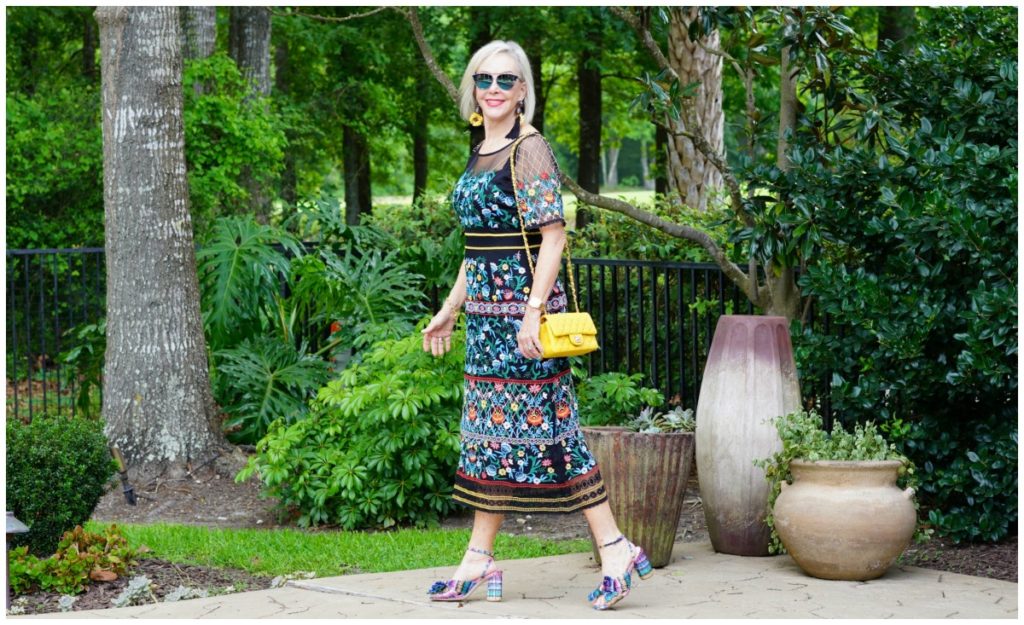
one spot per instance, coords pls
(476, 119)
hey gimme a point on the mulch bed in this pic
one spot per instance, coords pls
(165, 577)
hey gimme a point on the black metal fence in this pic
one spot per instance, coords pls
(656, 318)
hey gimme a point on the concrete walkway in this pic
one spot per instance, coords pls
(698, 583)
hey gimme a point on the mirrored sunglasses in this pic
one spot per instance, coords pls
(505, 81)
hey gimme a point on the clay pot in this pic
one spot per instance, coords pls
(845, 519)
(645, 476)
(750, 378)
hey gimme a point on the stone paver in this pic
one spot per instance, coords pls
(698, 583)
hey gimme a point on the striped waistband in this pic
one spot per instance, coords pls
(501, 240)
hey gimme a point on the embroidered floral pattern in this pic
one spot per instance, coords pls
(521, 446)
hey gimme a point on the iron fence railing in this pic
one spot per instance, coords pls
(656, 318)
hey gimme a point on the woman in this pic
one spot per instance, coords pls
(522, 450)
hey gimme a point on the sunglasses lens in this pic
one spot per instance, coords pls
(506, 81)
(483, 81)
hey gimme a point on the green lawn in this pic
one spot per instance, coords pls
(327, 552)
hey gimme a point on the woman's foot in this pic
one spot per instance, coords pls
(621, 562)
(477, 568)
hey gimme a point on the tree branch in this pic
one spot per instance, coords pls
(645, 37)
(673, 229)
(326, 18)
(428, 55)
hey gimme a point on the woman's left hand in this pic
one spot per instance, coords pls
(529, 334)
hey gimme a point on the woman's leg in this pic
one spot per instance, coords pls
(485, 529)
(614, 558)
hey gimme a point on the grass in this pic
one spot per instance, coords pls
(327, 553)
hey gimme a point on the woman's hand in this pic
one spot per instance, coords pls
(437, 336)
(529, 334)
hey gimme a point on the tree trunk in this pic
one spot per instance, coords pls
(89, 41)
(610, 160)
(198, 31)
(689, 172)
(356, 162)
(157, 403)
(282, 83)
(534, 54)
(783, 293)
(249, 46)
(480, 34)
(898, 24)
(588, 80)
(420, 140)
(645, 167)
(661, 161)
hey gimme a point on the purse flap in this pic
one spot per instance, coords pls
(567, 324)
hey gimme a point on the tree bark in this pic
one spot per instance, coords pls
(157, 403)
(534, 54)
(610, 160)
(89, 42)
(420, 140)
(249, 46)
(356, 162)
(898, 24)
(198, 31)
(645, 167)
(689, 171)
(588, 80)
(783, 295)
(480, 34)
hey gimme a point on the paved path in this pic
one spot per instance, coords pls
(698, 583)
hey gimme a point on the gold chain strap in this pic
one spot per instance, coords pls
(522, 227)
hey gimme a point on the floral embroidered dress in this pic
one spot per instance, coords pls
(522, 450)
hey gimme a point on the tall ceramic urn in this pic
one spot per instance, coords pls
(750, 378)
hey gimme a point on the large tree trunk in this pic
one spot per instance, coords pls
(610, 162)
(898, 24)
(420, 139)
(645, 167)
(534, 54)
(89, 42)
(157, 403)
(356, 157)
(198, 31)
(784, 295)
(249, 46)
(689, 172)
(588, 80)
(480, 34)
(660, 161)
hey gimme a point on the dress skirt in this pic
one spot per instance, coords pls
(521, 445)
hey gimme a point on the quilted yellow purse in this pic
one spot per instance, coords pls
(561, 334)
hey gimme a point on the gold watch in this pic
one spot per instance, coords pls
(535, 302)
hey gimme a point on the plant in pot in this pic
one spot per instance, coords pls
(841, 503)
(644, 456)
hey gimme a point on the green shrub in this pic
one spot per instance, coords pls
(81, 556)
(56, 470)
(380, 445)
(614, 398)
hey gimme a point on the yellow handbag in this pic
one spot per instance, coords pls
(561, 334)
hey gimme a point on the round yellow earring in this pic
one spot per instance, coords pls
(476, 119)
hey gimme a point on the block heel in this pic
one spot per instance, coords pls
(642, 564)
(494, 587)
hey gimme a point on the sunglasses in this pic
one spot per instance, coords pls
(505, 81)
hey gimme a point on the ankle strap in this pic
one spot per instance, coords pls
(482, 551)
(617, 540)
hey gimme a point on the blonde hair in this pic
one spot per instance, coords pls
(467, 95)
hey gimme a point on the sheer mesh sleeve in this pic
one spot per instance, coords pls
(538, 186)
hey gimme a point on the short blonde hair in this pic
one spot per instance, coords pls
(467, 95)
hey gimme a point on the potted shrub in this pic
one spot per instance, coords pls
(644, 457)
(835, 506)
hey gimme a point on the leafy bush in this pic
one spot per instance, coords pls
(919, 272)
(380, 445)
(90, 347)
(614, 398)
(56, 470)
(804, 438)
(81, 556)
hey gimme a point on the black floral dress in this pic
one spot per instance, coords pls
(522, 450)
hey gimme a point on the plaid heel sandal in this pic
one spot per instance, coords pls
(615, 589)
(457, 590)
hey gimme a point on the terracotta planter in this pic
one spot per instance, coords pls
(645, 475)
(845, 520)
(750, 378)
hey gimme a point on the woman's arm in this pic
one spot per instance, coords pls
(437, 336)
(549, 263)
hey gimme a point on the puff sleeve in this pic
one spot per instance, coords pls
(538, 185)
